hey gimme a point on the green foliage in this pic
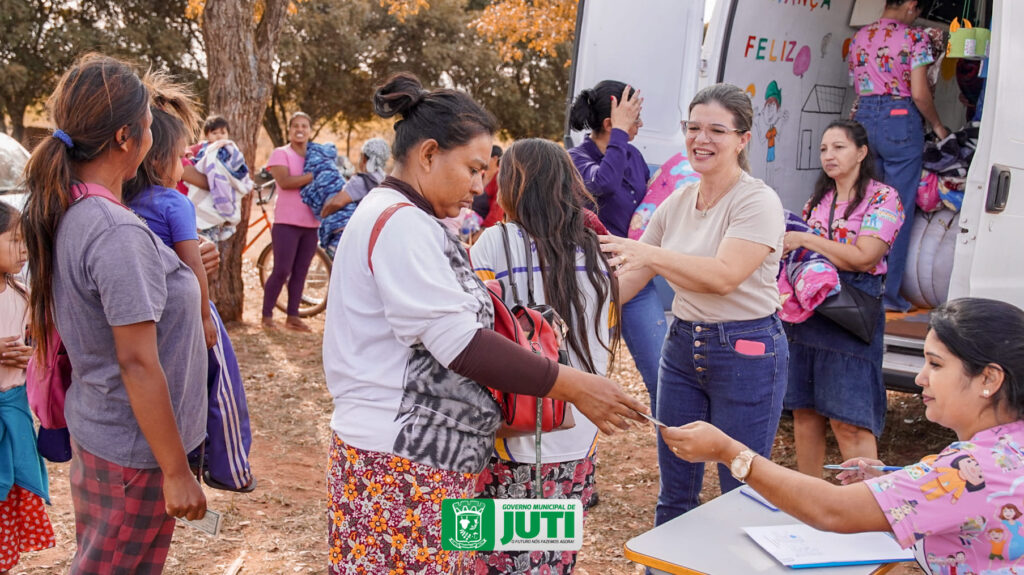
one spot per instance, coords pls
(41, 38)
(335, 51)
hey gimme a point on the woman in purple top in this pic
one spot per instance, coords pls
(616, 174)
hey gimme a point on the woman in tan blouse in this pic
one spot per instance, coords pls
(718, 244)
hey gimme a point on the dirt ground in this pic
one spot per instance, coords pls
(280, 527)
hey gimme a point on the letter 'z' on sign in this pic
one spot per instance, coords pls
(511, 525)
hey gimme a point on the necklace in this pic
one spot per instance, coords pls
(709, 205)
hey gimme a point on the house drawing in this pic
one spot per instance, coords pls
(824, 104)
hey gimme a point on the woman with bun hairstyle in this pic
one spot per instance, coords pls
(408, 350)
(128, 312)
(616, 174)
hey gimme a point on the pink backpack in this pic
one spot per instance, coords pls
(47, 382)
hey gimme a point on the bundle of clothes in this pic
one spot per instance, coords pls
(805, 279)
(321, 161)
(218, 209)
(944, 174)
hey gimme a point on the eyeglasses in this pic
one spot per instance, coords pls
(714, 132)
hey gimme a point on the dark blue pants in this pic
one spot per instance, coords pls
(896, 135)
(704, 378)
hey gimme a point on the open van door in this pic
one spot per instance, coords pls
(987, 263)
(614, 41)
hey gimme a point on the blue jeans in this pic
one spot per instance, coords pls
(643, 328)
(704, 378)
(896, 135)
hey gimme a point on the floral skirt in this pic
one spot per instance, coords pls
(24, 526)
(384, 514)
(514, 480)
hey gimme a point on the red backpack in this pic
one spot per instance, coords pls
(531, 326)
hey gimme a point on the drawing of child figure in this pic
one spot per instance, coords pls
(963, 473)
(997, 540)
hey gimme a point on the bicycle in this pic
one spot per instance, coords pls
(314, 291)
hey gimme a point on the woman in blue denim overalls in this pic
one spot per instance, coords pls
(718, 243)
(833, 375)
(888, 62)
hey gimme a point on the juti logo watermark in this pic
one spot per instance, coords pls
(511, 525)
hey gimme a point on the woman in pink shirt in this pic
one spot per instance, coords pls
(294, 232)
(957, 509)
(834, 376)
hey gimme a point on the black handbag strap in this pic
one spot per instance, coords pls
(831, 218)
(832, 212)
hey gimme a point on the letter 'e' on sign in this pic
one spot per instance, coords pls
(511, 525)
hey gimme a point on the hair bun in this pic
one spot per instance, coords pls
(398, 95)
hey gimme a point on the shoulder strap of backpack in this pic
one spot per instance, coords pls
(378, 226)
(528, 243)
(508, 264)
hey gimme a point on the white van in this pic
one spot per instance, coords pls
(797, 48)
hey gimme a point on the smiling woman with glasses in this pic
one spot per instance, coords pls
(718, 243)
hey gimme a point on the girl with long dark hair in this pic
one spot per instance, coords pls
(543, 197)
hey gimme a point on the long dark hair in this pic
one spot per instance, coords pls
(10, 219)
(982, 332)
(94, 99)
(859, 136)
(541, 191)
(449, 117)
(175, 123)
(593, 105)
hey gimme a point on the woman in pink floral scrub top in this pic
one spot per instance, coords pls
(888, 64)
(960, 509)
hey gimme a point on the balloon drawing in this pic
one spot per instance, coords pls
(802, 61)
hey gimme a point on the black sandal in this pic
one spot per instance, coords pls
(248, 487)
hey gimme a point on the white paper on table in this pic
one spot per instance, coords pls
(800, 545)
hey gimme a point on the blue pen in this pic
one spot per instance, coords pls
(853, 467)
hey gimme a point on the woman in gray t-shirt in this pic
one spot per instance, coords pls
(137, 401)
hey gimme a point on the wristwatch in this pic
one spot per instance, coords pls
(740, 466)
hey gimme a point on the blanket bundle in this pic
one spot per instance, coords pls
(321, 161)
(945, 164)
(218, 209)
(805, 279)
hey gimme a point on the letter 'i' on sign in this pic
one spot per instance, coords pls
(511, 525)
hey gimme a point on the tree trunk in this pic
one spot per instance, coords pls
(17, 113)
(239, 52)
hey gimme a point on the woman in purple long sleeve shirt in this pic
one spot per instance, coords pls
(616, 174)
